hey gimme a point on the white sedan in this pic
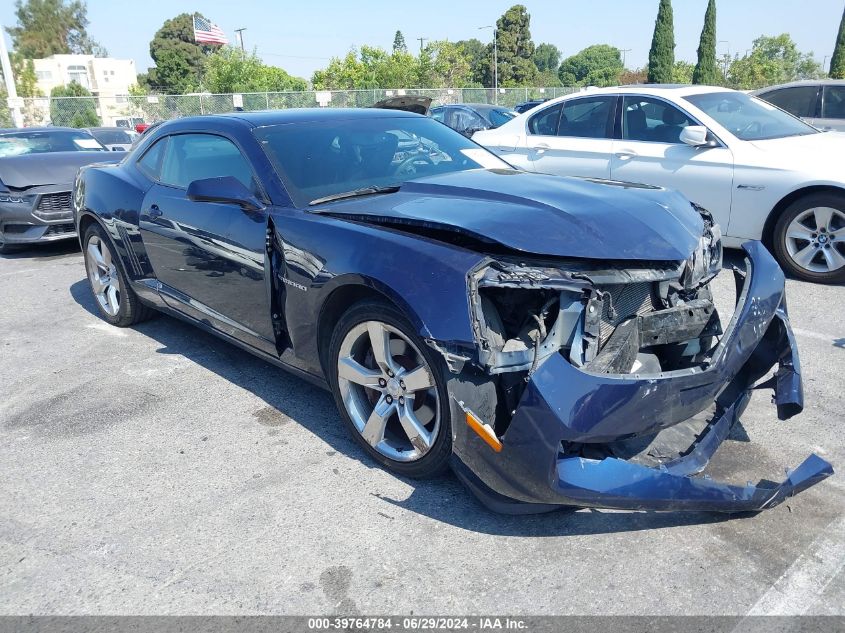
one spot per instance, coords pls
(761, 172)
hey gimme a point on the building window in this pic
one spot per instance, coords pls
(79, 74)
(120, 99)
(44, 75)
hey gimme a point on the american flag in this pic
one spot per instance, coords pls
(208, 32)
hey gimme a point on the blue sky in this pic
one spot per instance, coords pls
(301, 36)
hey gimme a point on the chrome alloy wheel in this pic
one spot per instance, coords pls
(388, 390)
(815, 240)
(102, 273)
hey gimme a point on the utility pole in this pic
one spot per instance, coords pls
(495, 61)
(13, 102)
(422, 39)
(624, 51)
(240, 33)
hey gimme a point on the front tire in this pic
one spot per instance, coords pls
(117, 302)
(809, 238)
(390, 390)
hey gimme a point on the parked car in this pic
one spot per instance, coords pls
(407, 103)
(114, 138)
(530, 331)
(820, 103)
(763, 173)
(129, 122)
(469, 118)
(37, 168)
(525, 106)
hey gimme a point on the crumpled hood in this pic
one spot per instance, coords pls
(542, 215)
(53, 168)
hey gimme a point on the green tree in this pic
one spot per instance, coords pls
(837, 62)
(515, 49)
(78, 111)
(477, 54)
(706, 71)
(230, 69)
(773, 60)
(682, 72)
(661, 57)
(450, 66)
(399, 45)
(546, 57)
(49, 27)
(179, 60)
(371, 67)
(597, 65)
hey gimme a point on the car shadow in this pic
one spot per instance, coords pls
(45, 251)
(443, 499)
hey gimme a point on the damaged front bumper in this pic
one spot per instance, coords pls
(638, 441)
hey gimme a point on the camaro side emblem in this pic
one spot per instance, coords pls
(751, 187)
(294, 284)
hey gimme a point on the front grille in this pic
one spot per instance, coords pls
(60, 229)
(627, 300)
(54, 206)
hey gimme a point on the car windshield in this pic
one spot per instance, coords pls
(500, 117)
(749, 118)
(44, 141)
(112, 137)
(320, 159)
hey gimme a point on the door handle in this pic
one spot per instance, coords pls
(541, 148)
(626, 154)
(154, 212)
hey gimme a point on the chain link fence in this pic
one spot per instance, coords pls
(127, 111)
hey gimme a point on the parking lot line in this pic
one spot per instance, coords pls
(800, 586)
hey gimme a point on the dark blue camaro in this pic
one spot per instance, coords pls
(553, 340)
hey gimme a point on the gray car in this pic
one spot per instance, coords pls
(37, 170)
(820, 103)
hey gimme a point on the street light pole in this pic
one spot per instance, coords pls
(495, 61)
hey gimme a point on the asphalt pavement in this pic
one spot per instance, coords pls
(158, 470)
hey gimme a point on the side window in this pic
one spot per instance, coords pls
(191, 157)
(834, 102)
(800, 100)
(544, 123)
(647, 119)
(150, 162)
(438, 114)
(590, 117)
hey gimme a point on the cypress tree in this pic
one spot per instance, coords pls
(399, 45)
(661, 57)
(705, 70)
(837, 62)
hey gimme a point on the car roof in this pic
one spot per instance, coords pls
(302, 115)
(43, 128)
(803, 82)
(656, 90)
(475, 106)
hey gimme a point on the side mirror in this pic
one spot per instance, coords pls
(226, 190)
(695, 135)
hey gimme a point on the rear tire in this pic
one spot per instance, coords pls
(809, 238)
(390, 389)
(116, 301)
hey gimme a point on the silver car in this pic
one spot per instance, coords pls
(820, 103)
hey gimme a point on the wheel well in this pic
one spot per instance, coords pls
(84, 222)
(771, 221)
(337, 303)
